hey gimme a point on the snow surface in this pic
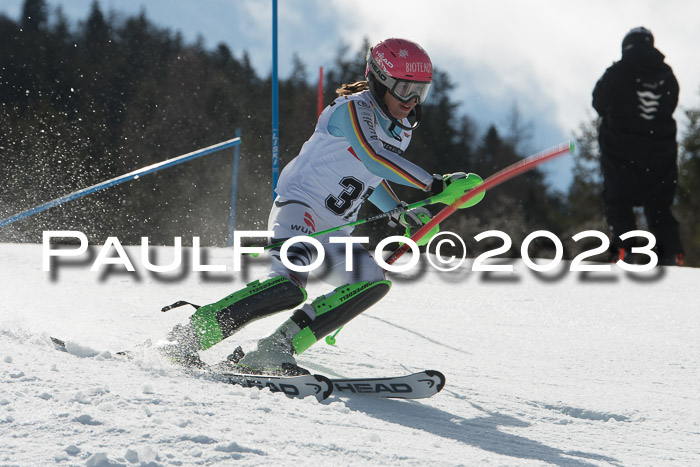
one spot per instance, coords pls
(555, 368)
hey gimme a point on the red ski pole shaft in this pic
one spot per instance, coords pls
(499, 177)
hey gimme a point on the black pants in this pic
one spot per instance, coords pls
(653, 188)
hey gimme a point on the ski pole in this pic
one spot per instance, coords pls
(376, 217)
(453, 191)
(450, 195)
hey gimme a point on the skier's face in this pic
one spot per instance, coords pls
(398, 109)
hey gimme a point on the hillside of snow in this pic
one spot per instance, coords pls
(556, 368)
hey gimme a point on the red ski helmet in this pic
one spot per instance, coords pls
(402, 66)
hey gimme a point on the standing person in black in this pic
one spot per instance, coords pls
(636, 98)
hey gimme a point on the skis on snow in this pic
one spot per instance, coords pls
(418, 385)
(414, 386)
(292, 386)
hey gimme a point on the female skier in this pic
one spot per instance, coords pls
(356, 148)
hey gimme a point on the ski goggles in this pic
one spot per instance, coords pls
(406, 90)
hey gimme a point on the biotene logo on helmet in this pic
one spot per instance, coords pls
(419, 67)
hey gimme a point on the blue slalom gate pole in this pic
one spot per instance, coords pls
(275, 104)
(121, 179)
(234, 190)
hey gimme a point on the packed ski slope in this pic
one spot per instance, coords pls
(554, 368)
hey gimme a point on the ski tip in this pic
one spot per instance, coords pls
(439, 376)
(58, 344)
(572, 147)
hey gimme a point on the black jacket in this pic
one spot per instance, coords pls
(636, 98)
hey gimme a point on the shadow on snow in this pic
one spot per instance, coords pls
(481, 432)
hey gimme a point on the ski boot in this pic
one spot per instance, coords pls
(273, 355)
